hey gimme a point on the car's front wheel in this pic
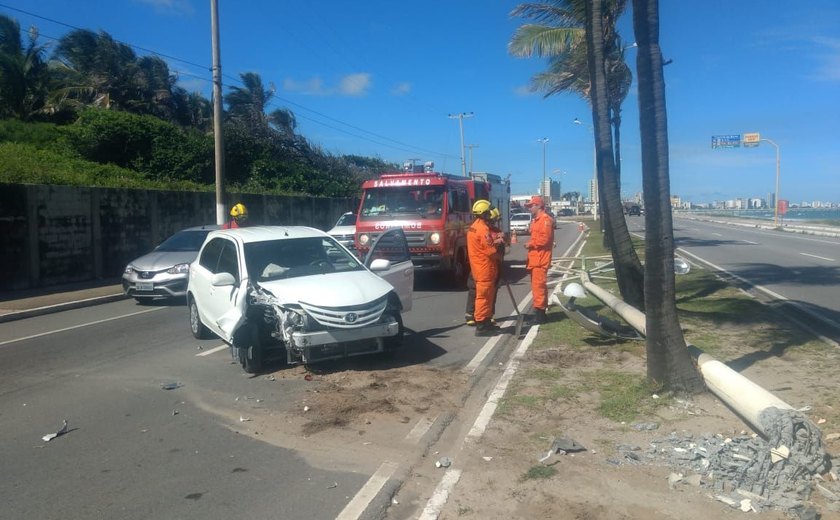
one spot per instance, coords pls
(250, 351)
(395, 342)
(198, 329)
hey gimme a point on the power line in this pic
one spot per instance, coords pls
(401, 146)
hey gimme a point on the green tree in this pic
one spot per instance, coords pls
(247, 104)
(563, 33)
(668, 360)
(23, 72)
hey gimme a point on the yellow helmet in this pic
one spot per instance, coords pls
(239, 211)
(480, 207)
(495, 214)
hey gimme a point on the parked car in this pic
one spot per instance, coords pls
(162, 273)
(521, 223)
(566, 212)
(634, 211)
(294, 293)
(344, 231)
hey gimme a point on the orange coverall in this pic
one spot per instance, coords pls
(539, 257)
(484, 265)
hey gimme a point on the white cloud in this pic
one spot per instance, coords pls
(350, 85)
(312, 86)
(355, 84)
(524, 90)
(829, 58)
(170, 7)
(401, 89)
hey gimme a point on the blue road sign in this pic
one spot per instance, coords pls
(726, 141)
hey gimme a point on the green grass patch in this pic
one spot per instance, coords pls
(543, 374)
(538, 472)
(624, 396)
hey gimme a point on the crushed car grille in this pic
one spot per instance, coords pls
(347, 317)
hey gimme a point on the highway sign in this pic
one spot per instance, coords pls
(726, 141)
(752, 139)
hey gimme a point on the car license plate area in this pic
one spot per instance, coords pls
(145, 286)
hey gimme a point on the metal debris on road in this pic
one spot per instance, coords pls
(244, 419)
(50, 436)
(444, 462)
(170, 386)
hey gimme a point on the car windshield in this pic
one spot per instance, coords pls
(296, 257)
(426, 201)
(346, 220)
(521, 216)
(188, 240)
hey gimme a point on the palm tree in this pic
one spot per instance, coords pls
(247, 104)
(668, 361)
(23, 72)
(563, 36)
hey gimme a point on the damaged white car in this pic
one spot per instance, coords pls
(295, 293)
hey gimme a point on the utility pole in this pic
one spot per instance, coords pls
(221, 214)
(471, 146)
(776, 208)
(460, 117)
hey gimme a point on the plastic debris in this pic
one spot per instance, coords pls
(333, 485)
(780, 453)
(746, 505)
(443, 462)
(305, 408)
(270, 378)
(170, 386)
(50, 436)
(487, 459)
(244, 419)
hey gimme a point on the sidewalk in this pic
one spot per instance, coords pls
(15, 305)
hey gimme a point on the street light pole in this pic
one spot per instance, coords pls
(543, 140)
(778, 161)
(471, 146)
(460, 117)
(219, 143)
(594, 170)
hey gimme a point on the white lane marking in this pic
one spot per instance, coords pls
(517, 266)
(474, 363)
(441, 495)
(777, 296)
(499, 391)
(212, 350)
(359, 503)
(717, 234)
(820, 257)
(420, 429)
(749, 242)
(79, 326)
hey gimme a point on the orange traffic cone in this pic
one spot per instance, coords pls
(513, 237)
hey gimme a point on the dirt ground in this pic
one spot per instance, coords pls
(557, 393)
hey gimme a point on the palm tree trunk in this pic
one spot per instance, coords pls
(628, 268)
(668, 360)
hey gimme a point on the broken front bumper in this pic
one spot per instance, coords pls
(303, 340)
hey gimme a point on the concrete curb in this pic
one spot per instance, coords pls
(49, 309)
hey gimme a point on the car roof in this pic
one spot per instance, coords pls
(263, 233)
(206, 227)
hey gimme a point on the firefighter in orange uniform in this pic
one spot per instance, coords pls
(499, 240)
(539, 254)
(238, 217)
(481, 248)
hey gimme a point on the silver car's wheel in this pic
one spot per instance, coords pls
(199, 331)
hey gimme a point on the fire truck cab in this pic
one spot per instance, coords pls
(433, 209)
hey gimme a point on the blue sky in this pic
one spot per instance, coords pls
(379, 78)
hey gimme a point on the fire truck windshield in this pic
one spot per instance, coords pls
(425, 201)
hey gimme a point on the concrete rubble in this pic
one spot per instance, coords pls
(783, 472)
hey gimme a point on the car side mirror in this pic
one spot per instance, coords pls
(222, 279)
(380, 264)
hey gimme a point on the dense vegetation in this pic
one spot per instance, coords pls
(94, 113)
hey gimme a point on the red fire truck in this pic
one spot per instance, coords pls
(434, 210)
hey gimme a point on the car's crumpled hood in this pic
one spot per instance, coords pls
(158, 260)
(329, 290)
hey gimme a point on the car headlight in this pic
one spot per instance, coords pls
(128, 269)
(364, 239)
(179, 269)
(434, 238)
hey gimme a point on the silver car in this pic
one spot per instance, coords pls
(163, 272)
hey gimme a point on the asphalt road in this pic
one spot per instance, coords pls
(801, 270)
(137, 450)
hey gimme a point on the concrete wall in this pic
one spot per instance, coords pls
(51, 235)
